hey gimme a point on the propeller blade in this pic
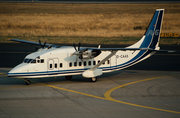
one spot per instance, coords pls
(80, 56)
(74, 46)
(44, 44)
(39, 42)
(79, 46)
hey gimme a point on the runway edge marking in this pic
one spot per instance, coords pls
(107, 95)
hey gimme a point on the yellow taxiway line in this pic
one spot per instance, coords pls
(107, 95)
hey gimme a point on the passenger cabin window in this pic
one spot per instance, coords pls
(70, 64)
(55, 65)
(50, 66)
(60, 65)
(84, 63)
(75, 63)
(89, 63)
(108, 61)
(94, 62)
(80, 63)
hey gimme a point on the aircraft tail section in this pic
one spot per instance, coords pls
(152, 35)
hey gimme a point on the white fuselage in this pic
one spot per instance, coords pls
(60, 62)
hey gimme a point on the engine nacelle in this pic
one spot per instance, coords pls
(89, 54)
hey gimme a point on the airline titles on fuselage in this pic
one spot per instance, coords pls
(122, 56)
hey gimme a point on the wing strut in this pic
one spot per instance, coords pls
(94, 72)
(105, 59)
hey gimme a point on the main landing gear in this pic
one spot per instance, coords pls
(93, 79)
(28, 82)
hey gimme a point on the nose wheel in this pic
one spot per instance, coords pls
(28, 82)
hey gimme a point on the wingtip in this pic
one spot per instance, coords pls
(170, 51)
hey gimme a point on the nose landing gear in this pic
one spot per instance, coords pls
(28, 82)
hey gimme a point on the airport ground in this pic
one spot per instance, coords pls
(150, 89)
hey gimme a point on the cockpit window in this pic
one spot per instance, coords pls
(27, 60)
(33, 61)
(42, 60)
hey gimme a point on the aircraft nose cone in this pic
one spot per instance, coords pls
(11, 73)
(16, 71)
(8, 74)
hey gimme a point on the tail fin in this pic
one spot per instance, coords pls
(152, 35)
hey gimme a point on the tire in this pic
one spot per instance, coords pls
(94, 79)
(28, 82)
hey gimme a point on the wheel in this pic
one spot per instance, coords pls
(94, 79)
(28, 82)
(68, 77)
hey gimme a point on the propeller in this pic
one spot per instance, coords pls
(85, 53)
(74, 47)
(42, 46)
(78, 51)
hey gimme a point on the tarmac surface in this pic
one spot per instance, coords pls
(149, 89)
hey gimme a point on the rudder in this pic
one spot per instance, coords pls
(152, 34)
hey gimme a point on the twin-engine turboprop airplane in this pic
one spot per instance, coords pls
(52, 60)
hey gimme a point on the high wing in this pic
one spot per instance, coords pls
(101, 49)
(35, 43)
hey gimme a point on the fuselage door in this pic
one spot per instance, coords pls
(53, 65)
(113, 62)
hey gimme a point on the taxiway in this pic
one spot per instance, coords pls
(127, 93)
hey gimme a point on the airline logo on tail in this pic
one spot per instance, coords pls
(156, 32)
(153, 32)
